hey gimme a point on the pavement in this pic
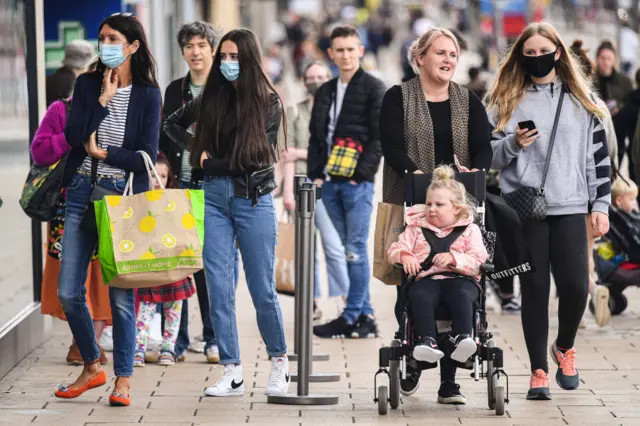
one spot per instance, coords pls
(607, 357)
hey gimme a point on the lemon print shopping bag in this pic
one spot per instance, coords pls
(152, 238)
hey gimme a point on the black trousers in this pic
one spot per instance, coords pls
(558, 243)
(447, 367)
(457, 294)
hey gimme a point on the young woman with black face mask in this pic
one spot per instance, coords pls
(541, 82)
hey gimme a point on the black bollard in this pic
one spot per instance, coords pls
(305, 208)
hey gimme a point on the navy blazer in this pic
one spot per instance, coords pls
(142, 129)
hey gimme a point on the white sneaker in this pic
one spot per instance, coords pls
(106, 340)
(230, 384)
(213, 355)
(279, 378)
(197, 345)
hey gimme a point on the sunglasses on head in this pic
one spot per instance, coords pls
(127, 15)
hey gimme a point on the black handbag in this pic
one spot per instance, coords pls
(529, 202)
(88, 223)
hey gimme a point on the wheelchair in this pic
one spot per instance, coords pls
(487, 362)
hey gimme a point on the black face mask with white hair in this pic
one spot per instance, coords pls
(312, 88)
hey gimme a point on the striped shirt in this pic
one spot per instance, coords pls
(111, 130)
(185, 169)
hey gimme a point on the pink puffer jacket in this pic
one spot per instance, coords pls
(468, 250)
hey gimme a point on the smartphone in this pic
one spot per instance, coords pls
(528, 124)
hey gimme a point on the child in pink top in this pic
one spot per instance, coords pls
(450, 276)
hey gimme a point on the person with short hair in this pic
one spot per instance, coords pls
(343, 159)
(78, 55)
(426, 122)
(613, 86)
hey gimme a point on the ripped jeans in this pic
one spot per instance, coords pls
(350, 206)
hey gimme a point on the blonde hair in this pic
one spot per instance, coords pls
(421, 45)
(512, 80)
(444, 178)
(622, 187)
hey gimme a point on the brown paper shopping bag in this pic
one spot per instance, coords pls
(285, 257)
(389, 225)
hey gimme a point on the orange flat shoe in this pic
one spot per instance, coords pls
(116, 399)
(119, 400)
(66, 393)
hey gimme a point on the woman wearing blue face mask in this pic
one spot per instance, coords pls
(115, 113)
(237, 118)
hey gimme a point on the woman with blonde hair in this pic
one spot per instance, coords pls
(550, 146)
(425, 122)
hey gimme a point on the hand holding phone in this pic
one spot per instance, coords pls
(526, 133)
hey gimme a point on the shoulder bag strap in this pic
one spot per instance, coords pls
(552, 140)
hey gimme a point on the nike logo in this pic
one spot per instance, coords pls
(235, 385)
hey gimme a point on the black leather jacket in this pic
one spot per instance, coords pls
(250, 184)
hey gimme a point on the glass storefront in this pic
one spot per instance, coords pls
(16, 282)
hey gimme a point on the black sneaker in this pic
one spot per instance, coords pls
(449, 393)
(427, 350)
(366, 327)
(411, 384)
(336, 329)
(465, 347)
(511, 306)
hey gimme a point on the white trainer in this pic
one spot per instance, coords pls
(230, 384)
(279, 378)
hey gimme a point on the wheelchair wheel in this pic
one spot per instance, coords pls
(499, 401)
(490, 379)
(383, 400)
(618, 303)
(394, 384)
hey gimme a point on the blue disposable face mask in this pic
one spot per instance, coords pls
(230, 70)
(111, 55)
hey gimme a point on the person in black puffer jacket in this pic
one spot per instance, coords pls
(345, 145)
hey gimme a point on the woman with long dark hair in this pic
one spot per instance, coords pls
(115, 113)
(237, 118)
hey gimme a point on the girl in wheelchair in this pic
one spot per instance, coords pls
(442, 248)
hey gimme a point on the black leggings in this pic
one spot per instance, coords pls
(457, 294)
(559, 242)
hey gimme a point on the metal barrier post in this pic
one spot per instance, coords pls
(298, 181)
(305, 207)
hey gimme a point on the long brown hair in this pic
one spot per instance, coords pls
(512, 80)
(255, 96)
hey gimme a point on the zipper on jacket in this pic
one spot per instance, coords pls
(552, 90)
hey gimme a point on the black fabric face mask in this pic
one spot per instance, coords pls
(539, 66)
(312, 88)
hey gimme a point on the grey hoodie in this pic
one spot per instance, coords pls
(580, 168)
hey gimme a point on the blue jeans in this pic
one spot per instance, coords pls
(228, 217)
(333, 253)
(349, 207)
(77, 250)
(208, 334)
